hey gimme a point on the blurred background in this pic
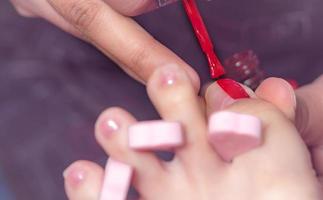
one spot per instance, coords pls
(53, 86)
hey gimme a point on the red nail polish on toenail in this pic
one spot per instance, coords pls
(233, 88)
(74, 175)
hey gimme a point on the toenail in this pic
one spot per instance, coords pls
(232, 134)
(233, 88)
(155, 135)
(170, 75)
(219, 98)
(116, 181)
(109, 126)
(74, 175)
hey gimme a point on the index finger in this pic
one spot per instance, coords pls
(120, 38)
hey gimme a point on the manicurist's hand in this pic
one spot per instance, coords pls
(105, 25)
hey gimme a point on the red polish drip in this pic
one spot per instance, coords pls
(233, 88)
(216, 68)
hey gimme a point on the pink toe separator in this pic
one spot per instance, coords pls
(116, 181)
(155, 135)
(232, 134)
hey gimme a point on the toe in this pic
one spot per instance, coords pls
(173, 95)
(83, 181)
(112, 134)
(277, 133)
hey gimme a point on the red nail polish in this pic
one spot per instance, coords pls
(233, 88)
(216, 68)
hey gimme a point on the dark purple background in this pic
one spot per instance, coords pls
(53, 86)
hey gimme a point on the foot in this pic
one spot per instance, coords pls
(279, 169)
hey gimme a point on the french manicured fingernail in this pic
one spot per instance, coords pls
(232, 134)
(161, 3)
(109, 126)
(155, 135)
(233, 88)
(74, 175)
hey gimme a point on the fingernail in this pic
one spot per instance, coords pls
(109, 126)
(233, 88)
(232, 134)
(74, 175)
(162, 3)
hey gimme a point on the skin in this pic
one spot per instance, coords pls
(116, 35)
(141, 55)
(85, 20)
(279, 169)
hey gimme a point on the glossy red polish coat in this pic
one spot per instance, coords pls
(233, 88)
(216, 68)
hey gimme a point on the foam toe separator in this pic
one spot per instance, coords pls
(117, 181)
(232, 134)
(155, 135)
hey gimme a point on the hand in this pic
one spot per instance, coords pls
(31, 8)
(117, 36)
(279, 169)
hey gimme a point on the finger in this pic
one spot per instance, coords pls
(280, 93)
(309, 120)
(83, 181)
(36, 8)
(122, 39)
(173, 96)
